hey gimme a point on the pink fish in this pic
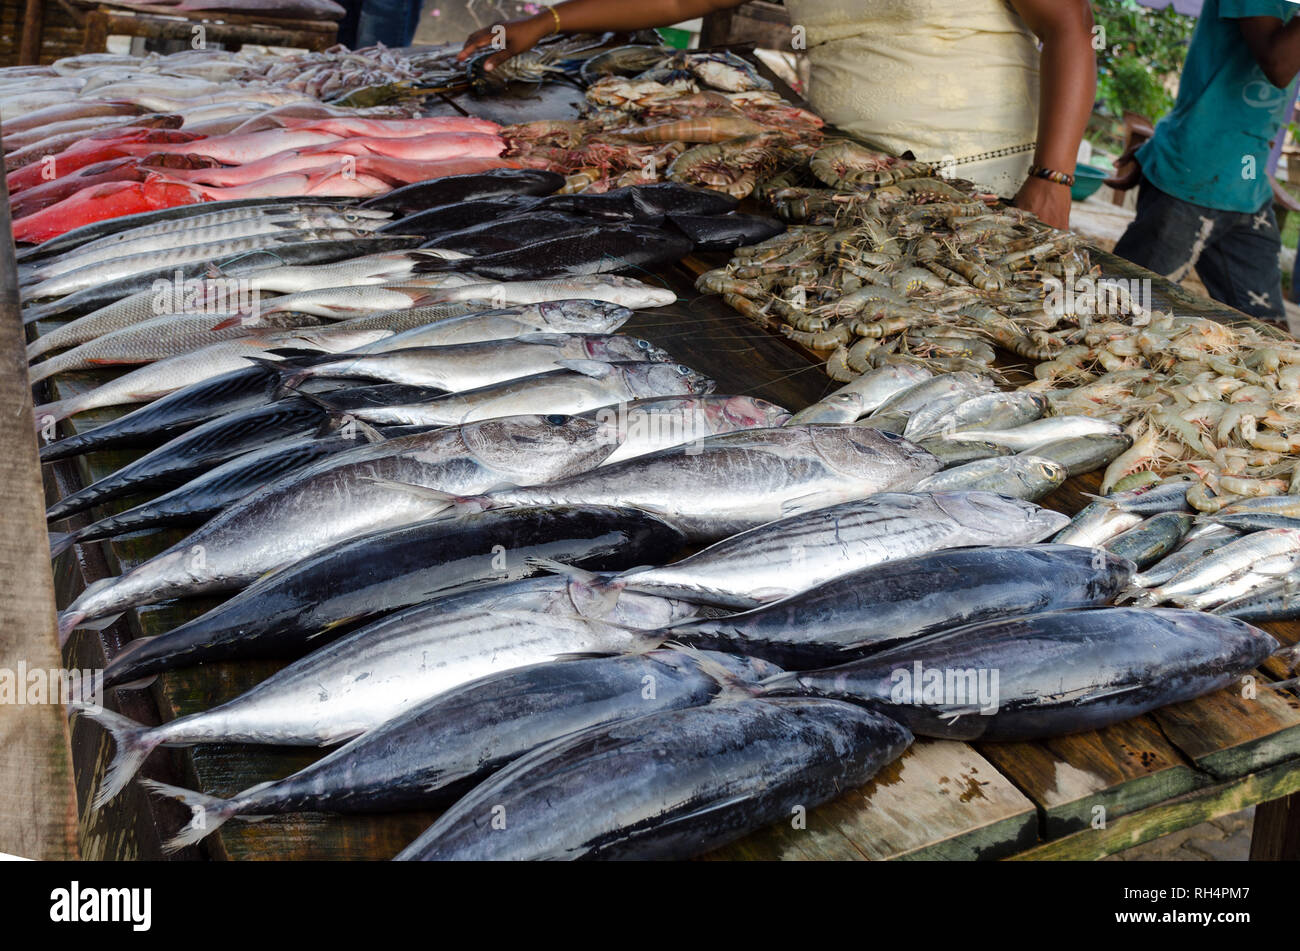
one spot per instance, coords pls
(238, 149)
(425, 148)
(101, 202)
(393, 128)
(405, 171)
(114, 143)
(327, 180)
(293, 160)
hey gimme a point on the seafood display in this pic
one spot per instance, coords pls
(410, 407)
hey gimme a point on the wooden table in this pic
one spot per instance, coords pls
(1080, 796)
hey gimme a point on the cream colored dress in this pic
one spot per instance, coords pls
(952, 81)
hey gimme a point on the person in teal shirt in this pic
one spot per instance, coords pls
(1205, 200)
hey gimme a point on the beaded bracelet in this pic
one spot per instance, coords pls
(1037, 171)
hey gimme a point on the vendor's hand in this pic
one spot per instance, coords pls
(1127, 171)
(518, 36)
(1046, 199)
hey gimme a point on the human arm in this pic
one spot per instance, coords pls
(1068, 85)
(587, 16)
(1275, 46)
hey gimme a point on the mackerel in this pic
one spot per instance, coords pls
(881, 606)
(1058, 672)
(583, 385)
(667, 785)
(725, 484)
(1022, 477)
(794, 554)
(285, 612)
(438, 748)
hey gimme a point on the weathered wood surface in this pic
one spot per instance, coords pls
(231, 30)
(37, 803)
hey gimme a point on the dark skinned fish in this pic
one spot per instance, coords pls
(1056, 673)
(879, 607)
(283, 613)
(668, 785)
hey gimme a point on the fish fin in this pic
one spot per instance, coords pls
(591, 595)
(99, 623)
(801, 504)
(591, 368)
(582, 655)
(730, 684)
(213, 272)
(422, 492)
(229, 322)
(338, 420)
(1283, 684)
(332, 625)
(209, 813)
(132, 745)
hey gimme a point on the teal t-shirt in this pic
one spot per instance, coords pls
(1227, 112)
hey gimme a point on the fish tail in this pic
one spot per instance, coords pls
(1289, 656)
(132, 742)
(785, 683)
(209, 813)
(56, 411)
(732, 684)
(79, 612)
(61, 542)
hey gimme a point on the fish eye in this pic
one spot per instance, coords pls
(683, 370)
(555, 419)
(643, 344)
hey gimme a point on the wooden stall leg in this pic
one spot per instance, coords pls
(1276, 836)
(95, 38)
(29, 50)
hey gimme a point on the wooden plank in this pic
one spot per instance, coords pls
(37, 800)
(941, 800)
(1227, 735)
(1276, 835)
(1111, 772)
(1188, 810)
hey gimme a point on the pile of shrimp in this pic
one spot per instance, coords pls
(1200, 398)
(892, 259)
(638, 131)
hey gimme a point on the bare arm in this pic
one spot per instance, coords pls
(1068, 85)
(589, 16)
(1276, 47)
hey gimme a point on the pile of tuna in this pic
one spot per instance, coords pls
(532, 505)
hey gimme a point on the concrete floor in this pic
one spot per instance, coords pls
(1220, 840)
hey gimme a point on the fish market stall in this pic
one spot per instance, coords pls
(413, 348)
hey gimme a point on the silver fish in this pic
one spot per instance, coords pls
(370, 676)
(1021, 477)
(1225, 562)
(725, 484)
(469, 366)
(989, 411)
(582, 386)
(349, 494)
(1042, 431)
(1191, 550)
(649, 425)
(794, 554)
